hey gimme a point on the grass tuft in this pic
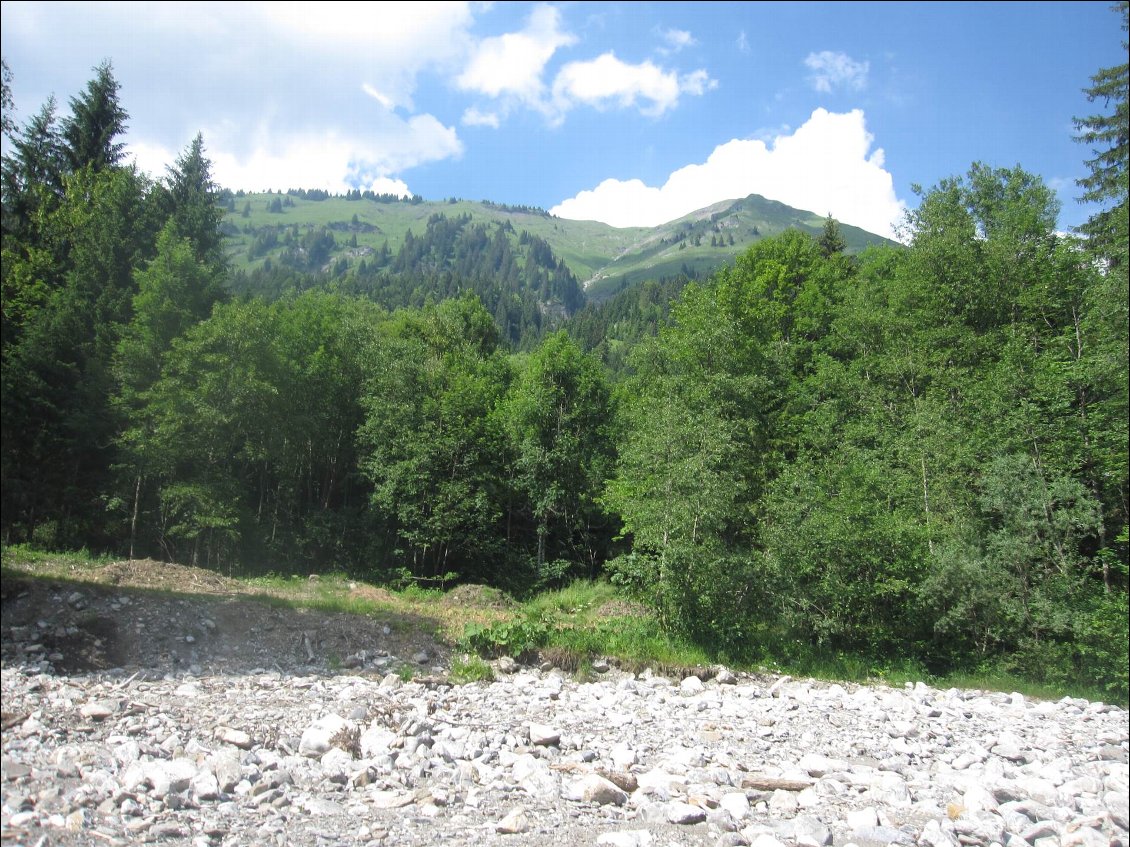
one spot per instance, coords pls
(467, 668)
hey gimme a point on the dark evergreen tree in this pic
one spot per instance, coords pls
(195, 211)
(97, 120)
(1102, 327)
(1108, 135)
(33, 173)
(831, 239)
(7, 102)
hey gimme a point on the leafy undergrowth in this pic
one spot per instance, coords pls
(571, 627)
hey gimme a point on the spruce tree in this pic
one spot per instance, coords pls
(1109, 137)
(33, 173)
(195, 212)
(97, 120)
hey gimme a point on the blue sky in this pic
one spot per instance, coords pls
(631, 113)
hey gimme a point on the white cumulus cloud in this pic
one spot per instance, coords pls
(512, 64)
(512, 69)
(826, 166)
(151, 158)
(836, 70)
(607, 81)
(334, 161)
(387, 185)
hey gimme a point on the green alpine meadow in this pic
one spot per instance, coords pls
(781, 440)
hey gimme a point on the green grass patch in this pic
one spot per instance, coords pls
(637, 642)
(573, 625)
(579, 600)
(1008, 683)
(23, 556)
(569, 626)
(468, 668)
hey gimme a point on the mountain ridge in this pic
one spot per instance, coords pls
(605, 259)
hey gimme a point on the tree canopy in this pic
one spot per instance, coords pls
(914, 455)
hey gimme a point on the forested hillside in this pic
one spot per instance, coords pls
(320, 238)
(516, 276)
(914, 452)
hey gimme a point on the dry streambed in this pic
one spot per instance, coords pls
(249, 737)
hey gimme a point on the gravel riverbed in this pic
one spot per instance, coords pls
(193, 729)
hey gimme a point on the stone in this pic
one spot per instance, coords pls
(765, 840)
(235, 737)
(318, 737)
(390, 799)
(543, 736)
(691, 685)
(516, 822)
(882, 835)
(535, 778)
(808, 831)
(626, 838)
(862, 819)
(934, 835)
(783, 803)
(736, 803)
(205, 786)
(592, 788)
(255, 750)
(684, 813)
(97, 710)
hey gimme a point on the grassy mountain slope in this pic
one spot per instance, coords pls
(604, 259)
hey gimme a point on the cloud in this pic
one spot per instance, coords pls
(512, 64)
(331, 160)
(328, 159)
(151, 158)
(676, 40)
(836, 70)
(268, 81)
(607, 81)
(384, 185)
(379, 96)
(391, 42)
(697, 83)
(475, 117)
(511, 69)
(826, 166)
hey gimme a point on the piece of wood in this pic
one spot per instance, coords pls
(773, 783)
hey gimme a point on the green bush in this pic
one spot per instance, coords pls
(516, 638)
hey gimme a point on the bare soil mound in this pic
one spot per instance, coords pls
(160, 618)
(165, 576)
(478, 597)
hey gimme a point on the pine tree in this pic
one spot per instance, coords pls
(97, 119)
(195, 213)
(1109, 137)
(7, 102)
(831, 239)
(33, 174)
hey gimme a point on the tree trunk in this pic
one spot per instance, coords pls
(133, 519)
